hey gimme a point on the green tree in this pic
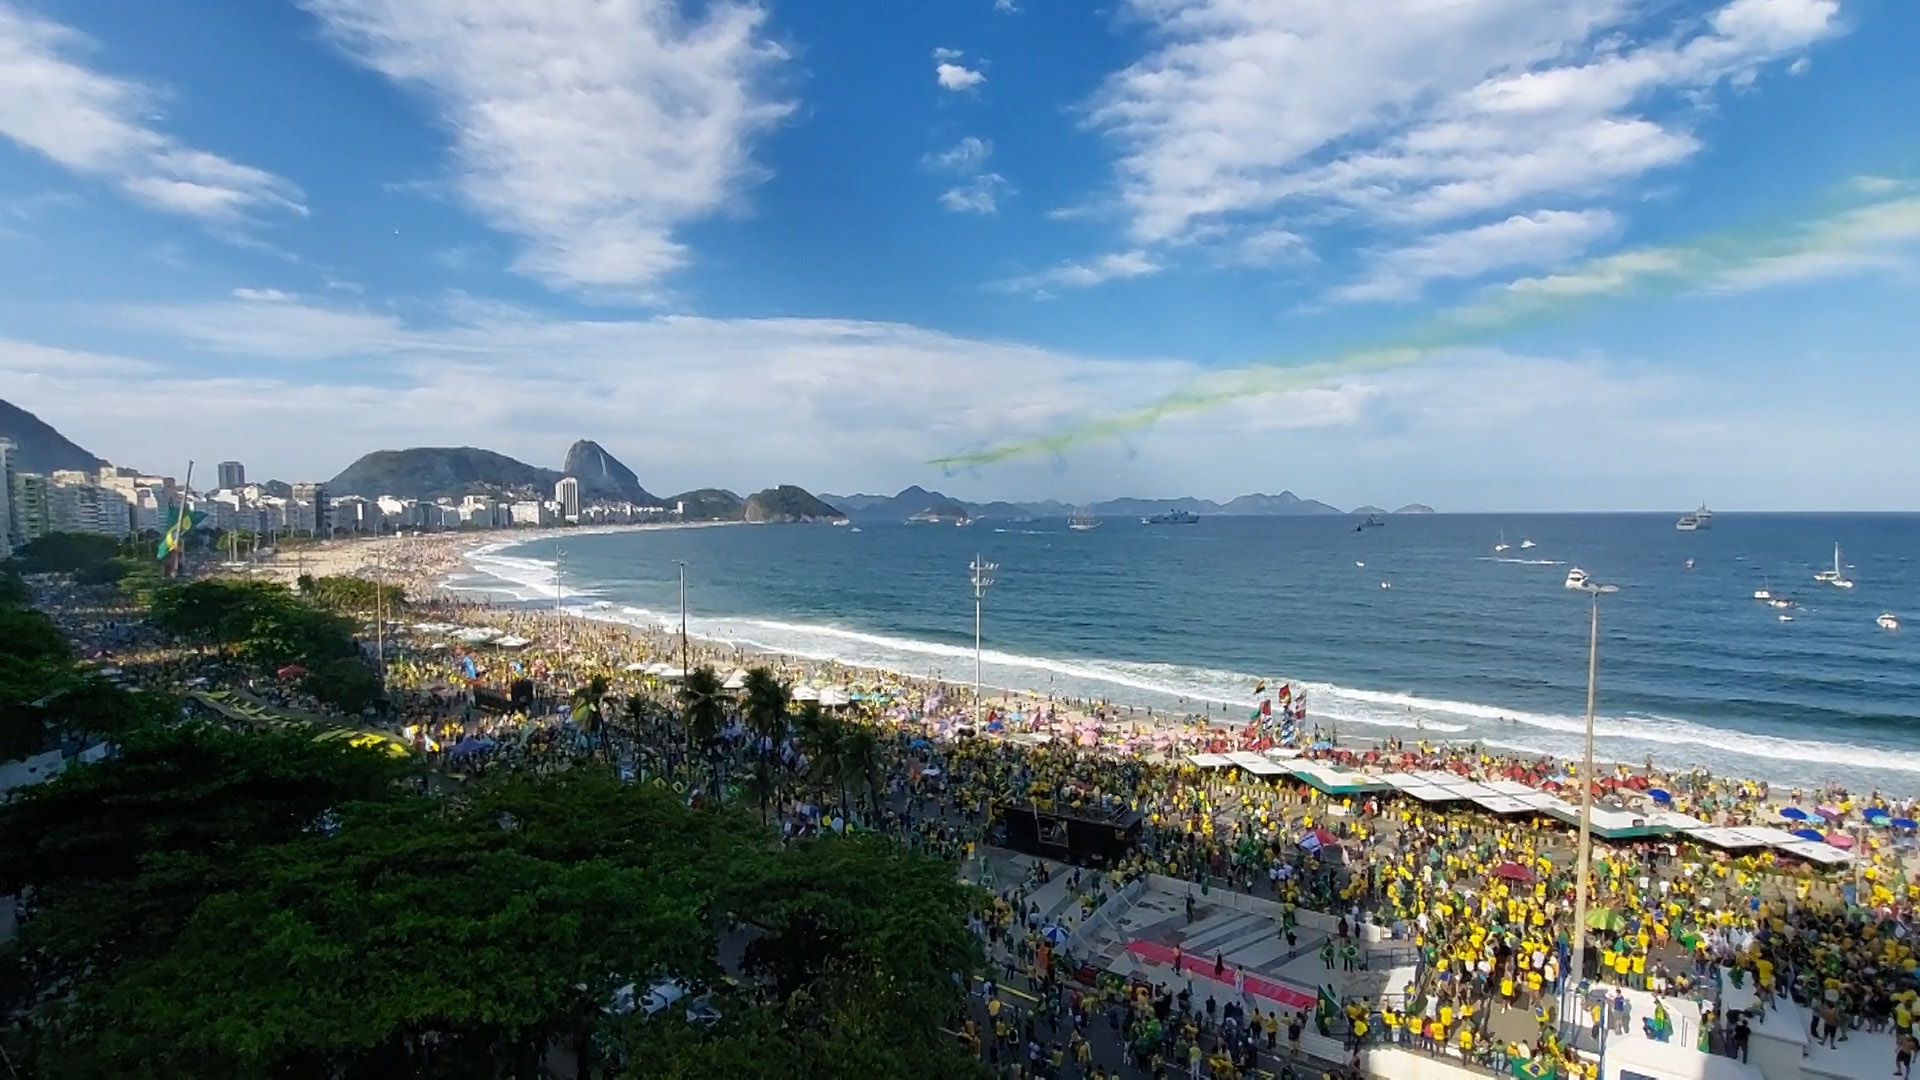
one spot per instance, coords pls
(703, 710)
(820, 735)
(860, 765)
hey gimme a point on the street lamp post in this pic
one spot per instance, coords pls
(681, 563)
(982, 581)
(1583, 862)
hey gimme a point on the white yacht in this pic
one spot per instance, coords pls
(1779, 602)
(1577, 578)
(1783, 617)
(1502, 545)
(1764, 592)
(1887, 621)
(1699, 519)
(1834, 577)
(1525, 544)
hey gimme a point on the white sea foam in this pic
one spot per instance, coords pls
(525, 578)
(1182, 688)
(1523, 562)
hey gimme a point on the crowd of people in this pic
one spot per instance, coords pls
(1486, 902)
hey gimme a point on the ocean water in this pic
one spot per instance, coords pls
(1467, 644)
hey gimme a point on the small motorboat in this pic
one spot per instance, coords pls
(1359, 564)
(1577, 578)
(1764, 592)
(1887, 621)
(1386, 584)
(1784, 617)
(1779, 602)
(1525, 544)
(1689, 564)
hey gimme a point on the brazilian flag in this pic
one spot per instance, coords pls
(1325, 1008)
(183, 521)
(1527, 1069)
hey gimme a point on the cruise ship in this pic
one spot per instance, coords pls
(1699, 519)
(1171, 517)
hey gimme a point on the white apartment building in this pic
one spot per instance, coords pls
(533, 512)
(567, 494)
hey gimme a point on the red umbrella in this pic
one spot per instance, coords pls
(291, 671)
(1513, 871)
(1840, 840)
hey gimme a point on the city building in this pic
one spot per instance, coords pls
(534, 512)
(75, 504)
(567, 494)
(232, 475)
(6, 499)
(308, 511)
(30, 516)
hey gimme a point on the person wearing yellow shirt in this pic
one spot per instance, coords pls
(1466, 1040)
(1640, 971)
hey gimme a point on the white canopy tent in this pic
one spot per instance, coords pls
(736, 681)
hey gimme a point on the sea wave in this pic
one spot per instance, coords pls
(1177, 688)
(1523, 562)
(524, 578)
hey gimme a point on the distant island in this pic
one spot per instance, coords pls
(1415, 508)
(919, 504)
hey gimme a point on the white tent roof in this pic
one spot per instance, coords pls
(638, 665)
(803, 692)
(736, 681)
(1210, 761)
(1510, 787)
(1726, 838)
(1256, 764)
(835, 697)
(1284, 753)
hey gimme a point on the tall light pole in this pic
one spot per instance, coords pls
(559, 569)
(982, 581)
(1584, 860)
(681, 563)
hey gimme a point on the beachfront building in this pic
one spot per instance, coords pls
(533, 512)
(232, 475)
(29, 496)
(75, 504)
(307, 511)
(567, 494)
(6, 498)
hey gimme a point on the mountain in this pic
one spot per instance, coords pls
(707, 504)
(1284, 503)
(431, 472)
(910, 501)
(602, 476)
(1415, 508)
(38, 448)
(786, 504)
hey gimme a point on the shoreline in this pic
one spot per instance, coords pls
(1667, 758)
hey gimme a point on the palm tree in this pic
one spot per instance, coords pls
(820, 737)
(860, 765)
(588, 701)
(764, 785)
(765, 706)
(703, 710)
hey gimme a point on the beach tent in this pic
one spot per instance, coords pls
(638, 665)
(833, 697)
(1209, 761)
(803, 692)
(736, 681)
(512, 641)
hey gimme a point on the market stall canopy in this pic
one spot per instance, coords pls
(512, 641)
(803, 692)
(736, 681)
(833, 697)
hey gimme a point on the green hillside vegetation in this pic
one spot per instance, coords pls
(787, 503)
(432, 472)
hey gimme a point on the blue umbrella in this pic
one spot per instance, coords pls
(1814, 835)
(1658, 795)
(1880, 818)
(1905, 823)
(1793, 813)
(1322, 745)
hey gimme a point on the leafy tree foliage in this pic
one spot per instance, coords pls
(271, 626)
(351, 594)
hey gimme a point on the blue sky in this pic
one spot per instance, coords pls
(1488, 254)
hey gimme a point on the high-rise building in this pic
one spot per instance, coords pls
(7, 526)
(31, 517)
(567, 494)
(233, 475)
(313, 520)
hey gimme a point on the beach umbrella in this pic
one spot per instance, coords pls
(1513, 871)
(291, 671)
(1660, 796)
(1880, 818)
(1905, 823)
(1055, 934)
(1810, 834)
(1840, 840)
(1793, 813)
(1604, 919)
(1828, 811)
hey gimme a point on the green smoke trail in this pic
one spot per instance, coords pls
(1720, 260)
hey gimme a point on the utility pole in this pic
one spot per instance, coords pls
(982, 581)
(559, 568)
(681, 563)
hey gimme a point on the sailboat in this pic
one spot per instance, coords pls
(1834, 577)
(1502, 545)
(1083, 521)
(1764, 592)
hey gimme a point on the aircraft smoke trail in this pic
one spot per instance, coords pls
(1725, 261)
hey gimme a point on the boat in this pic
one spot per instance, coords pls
(1525, 544)
(1689, 564)
(1887, 621)
(1386, 584)
(1834, 577)
(1578, 579)
(1360, 564)
(1502, 545)
(1373, 522)
(1171, 517)
(1779, 602)
(1764, 592)
(842, 522)
(1699, 519)
(1083, 521)
(1784, 617)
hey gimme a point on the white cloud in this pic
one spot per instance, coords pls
(965, 156)
(943, 53)
(1006, 7)
(261, 295)
(100, 125)
(957, 77)
(590, 130)
(1114, 266)
(980, 195)
(1411, 112)
(1541, 239)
